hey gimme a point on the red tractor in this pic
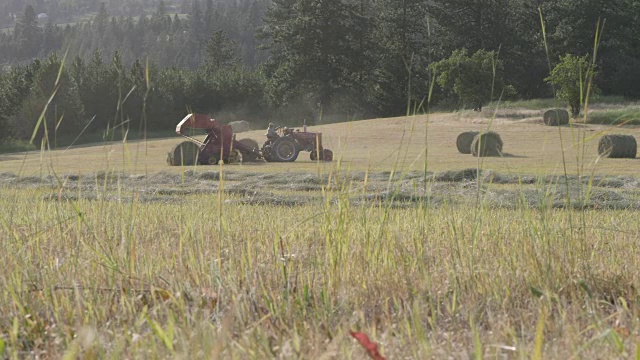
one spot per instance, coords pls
(283, 144)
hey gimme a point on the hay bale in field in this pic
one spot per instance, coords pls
(240, 126)
(250, 144)
(556, 117)
(185, 153)
(487, 144)
(618, 146)
(464, 141)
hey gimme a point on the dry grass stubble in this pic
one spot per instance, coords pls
(206, 275)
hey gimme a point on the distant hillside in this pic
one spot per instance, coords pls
(69, 11)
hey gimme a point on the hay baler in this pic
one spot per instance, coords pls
(219, 144)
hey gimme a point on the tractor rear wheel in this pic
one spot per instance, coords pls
(285, 149)
(185, 153)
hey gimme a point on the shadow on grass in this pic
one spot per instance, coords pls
(8, 157)
(507, 155)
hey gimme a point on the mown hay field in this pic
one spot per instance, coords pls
(109, 252)
(529, 147)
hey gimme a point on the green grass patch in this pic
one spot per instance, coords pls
(625, 116)
(15, 146)
(539, 104)
(102, 136)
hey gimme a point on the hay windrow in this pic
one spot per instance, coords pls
(192, 178)
(464, 141)
(286, 189)
(487, 144)
(209, 175)
(458, 175)
(618, 146)
(556, 117)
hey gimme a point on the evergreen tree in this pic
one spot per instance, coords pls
(401, 55)
(97, 92)
(15, 89)
(572, 30)
(209, 17)
(51, 39)
(220, 52)
(27, 34)
(65, 113)
(473, 24)
(196, 31)
(101, 20)
(5, 109)
(312, 48)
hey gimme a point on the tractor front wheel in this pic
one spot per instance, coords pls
(327, 155)
(267, 154)
(213, 160)
(285, 149)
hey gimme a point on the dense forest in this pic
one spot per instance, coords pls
(95, 65)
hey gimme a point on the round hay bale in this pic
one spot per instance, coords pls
(556, 117)
(464, 140)
(240, 126)
(185, 153)
(618, 146)
(487, 144)
(251, 144)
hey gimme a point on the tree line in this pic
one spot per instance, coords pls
(311, 59)
(168, 40)
(70, 11)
